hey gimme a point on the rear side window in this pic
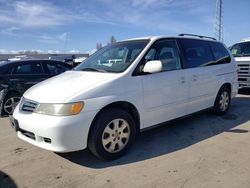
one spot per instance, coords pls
(28, 68)
(56, 68)
(196, 53)
(221, 55)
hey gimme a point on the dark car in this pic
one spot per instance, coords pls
(17, 76)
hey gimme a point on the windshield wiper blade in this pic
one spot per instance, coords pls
(93, 69)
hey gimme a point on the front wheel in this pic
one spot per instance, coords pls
(112, 134)
(222, 102)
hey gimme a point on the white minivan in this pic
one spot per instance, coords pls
(124, 88)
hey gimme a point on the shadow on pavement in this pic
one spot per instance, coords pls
(6, 181)
(176, 136)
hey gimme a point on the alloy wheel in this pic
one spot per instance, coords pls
(224, 101)
(116, 135)
(10, 104)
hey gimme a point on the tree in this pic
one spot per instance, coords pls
(112, 39)
(98, 46)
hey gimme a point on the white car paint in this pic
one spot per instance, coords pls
(158, 98)
(53, 90)
(164, 105)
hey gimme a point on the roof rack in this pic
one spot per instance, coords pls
(200, 36)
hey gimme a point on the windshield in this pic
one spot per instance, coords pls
(241, 49)
(115, 58)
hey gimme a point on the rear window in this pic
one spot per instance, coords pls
(56, 68)
(196, 53)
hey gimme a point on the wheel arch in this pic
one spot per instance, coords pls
(124, 105)
(228, 85)
(13, 91)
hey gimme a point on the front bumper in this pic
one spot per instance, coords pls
(55, 133)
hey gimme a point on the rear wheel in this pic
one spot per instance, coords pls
(10, 102)
(112, 134)
(222, 101)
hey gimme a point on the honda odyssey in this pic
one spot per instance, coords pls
(125, 88)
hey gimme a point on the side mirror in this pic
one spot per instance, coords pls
(153, 66)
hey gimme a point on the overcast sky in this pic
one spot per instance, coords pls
(79, 24)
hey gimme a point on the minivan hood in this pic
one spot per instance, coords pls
(59, 88)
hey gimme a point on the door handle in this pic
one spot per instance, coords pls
(183, 80)
(194, 79)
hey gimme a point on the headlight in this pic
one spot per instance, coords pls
(67, 109)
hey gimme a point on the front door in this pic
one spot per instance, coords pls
(165, 93)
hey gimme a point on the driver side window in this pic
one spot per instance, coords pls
(165, 51)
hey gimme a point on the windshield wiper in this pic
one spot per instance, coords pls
(93, 69)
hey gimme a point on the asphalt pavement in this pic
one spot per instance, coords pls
(201, 151)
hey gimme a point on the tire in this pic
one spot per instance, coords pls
(112, 134)
(222, 101)
(10, 102)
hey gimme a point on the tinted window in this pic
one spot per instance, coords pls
(52, 68)
(56, 68)
(196, 53)
(221, 55)
(167, 52)
(5, 68)
(28, 68)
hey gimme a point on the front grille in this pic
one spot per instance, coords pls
(243, 73)
(28, 106)
(242, 79)
(243, 65)
(243, 69)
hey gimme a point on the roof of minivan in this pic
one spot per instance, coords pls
(162, 37)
